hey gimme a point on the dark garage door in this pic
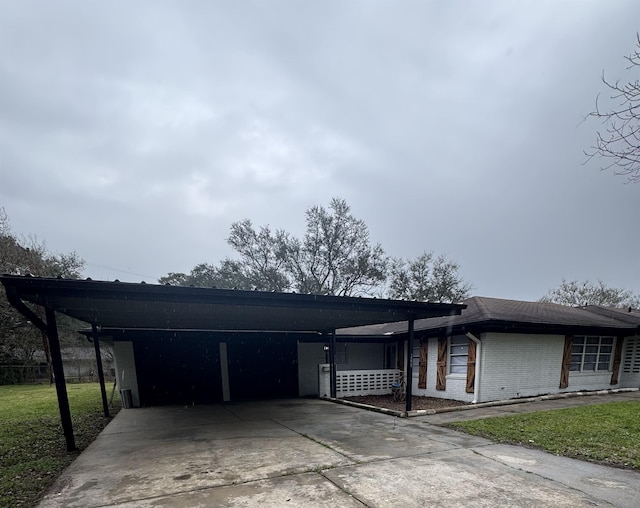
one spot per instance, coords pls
(262, 366)
(178, 370)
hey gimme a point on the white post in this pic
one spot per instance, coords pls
(224, 372)
(324, 380)
(125, 364)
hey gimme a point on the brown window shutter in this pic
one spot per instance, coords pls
(441, 371)
(422, 369)
(471, 367)
(566, 361)
(617, 357)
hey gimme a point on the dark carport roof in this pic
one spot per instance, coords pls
(499, 315)
(122, 305)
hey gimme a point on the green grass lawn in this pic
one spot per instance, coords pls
(32, 446)
(604, 433)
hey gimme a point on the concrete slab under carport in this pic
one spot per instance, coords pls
(315, 453)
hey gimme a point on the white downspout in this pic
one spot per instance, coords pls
(224, 372)
(476, 381)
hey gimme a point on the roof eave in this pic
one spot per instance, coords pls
(497, 326)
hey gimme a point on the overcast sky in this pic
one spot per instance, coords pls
(135, 133)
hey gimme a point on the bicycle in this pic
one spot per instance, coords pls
(399, 388)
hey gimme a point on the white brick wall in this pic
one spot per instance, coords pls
(365, 382)
(125, 367)
(520, 365)
(523, 365)
(356, 382)
(512, 366)
(456, 383)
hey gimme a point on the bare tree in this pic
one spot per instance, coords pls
(427, 278)
(230, 274)
(580, 293)
(335, 257)
(619, 140)
(263, 255)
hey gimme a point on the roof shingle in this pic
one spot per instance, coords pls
(484, 312)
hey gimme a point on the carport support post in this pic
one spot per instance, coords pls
(103, 390)
(58, 372)
(332, 364)
(409, 366)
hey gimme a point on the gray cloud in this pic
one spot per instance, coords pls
(136, 133)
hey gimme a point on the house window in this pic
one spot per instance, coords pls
(591, 353)
(458, 354)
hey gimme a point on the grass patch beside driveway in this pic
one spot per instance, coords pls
(605, 433)
(32, 446)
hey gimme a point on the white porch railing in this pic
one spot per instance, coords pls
(365, 382)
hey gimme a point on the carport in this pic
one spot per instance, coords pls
(261, 324)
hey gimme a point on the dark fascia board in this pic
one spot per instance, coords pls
(44, 287)
(527, 328)
(509, 327)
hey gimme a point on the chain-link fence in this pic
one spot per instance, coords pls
(13, 374)
(74, 372)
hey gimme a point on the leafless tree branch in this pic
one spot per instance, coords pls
(618, 143)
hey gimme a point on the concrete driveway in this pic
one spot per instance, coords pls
(317, 453)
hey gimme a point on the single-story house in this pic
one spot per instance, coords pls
(184, 345)
(500, 349)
